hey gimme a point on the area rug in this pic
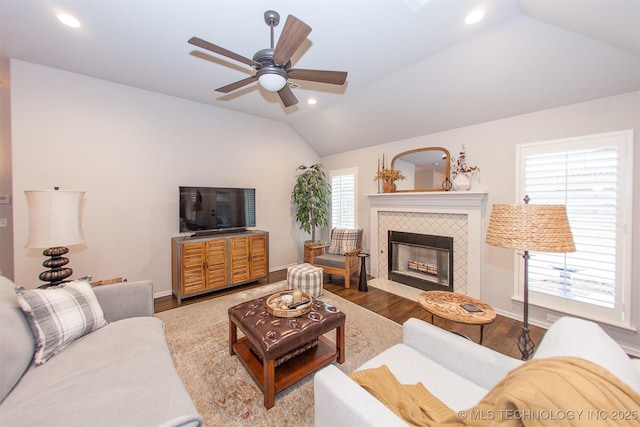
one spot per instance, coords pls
(221, 388)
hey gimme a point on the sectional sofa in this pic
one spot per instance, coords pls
(120, 374)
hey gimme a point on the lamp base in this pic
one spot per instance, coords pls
(56, 274)
(525, 344)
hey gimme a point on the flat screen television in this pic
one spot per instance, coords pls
(210, 210)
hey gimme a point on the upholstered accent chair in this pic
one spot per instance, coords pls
(340, 256)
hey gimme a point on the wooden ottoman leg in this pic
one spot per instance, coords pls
(233, 336)
(340, 343)
(269, 383)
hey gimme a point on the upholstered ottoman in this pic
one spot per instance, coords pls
(306, 277)
(277, 351)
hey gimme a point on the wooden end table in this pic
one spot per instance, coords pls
(448, 305)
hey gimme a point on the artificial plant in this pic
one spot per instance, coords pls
(311, 197)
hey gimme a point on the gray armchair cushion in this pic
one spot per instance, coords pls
(329, 260)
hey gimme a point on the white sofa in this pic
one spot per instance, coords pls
(456, 370)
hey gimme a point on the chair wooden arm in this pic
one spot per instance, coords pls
(313, 251)
(352, 257)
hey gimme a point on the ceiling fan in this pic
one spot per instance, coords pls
(273, 65)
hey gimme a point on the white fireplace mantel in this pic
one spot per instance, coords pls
(435, 199)
(470, 204)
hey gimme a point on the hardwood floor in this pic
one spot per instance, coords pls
(500, 335)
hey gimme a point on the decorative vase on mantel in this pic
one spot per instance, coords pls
(387, 186)
(462, 182)
(462, 172)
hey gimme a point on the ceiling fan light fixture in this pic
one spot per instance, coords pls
(68, 20)
(474, 17)
(272, 82)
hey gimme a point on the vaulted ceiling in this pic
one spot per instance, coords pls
(414, 66)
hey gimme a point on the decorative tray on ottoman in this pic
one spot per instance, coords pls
(278, 308)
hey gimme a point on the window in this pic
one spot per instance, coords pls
(343, 198)
(592, 176)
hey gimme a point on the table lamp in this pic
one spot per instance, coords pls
(54, 223)
(525, 227)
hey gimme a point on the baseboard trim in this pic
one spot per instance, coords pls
(162, 294)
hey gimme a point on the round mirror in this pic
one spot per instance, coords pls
(426, 169)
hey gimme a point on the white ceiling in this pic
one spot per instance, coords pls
(411, 72)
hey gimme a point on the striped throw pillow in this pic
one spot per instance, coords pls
(343, 240)
(58, 316)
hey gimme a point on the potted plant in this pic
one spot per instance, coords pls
(311, 197)
(389, 176)
(462, 172)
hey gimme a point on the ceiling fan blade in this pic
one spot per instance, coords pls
(331, 77)
(237, 85)
(287, 97)
(220, 50)
(293, 35)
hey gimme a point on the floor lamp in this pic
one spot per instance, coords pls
(54, 223)
(525, 227)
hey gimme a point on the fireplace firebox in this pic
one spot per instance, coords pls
(423, 261)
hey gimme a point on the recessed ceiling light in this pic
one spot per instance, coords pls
(68, 20)
(474, 17)
(312, 101)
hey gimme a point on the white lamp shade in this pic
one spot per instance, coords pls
(54, 218)
(272, 82)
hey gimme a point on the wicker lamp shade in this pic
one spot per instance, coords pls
(537, 228)
(525, 227)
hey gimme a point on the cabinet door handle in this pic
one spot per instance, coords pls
(205, 265)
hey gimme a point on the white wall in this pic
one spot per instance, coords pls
(130, 149)
(6, 232)
(491, 146)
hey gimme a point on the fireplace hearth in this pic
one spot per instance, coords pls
(423, 261)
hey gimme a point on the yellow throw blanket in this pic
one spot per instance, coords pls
(563, 391)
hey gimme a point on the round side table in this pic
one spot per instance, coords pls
(362, 285)
(449, 305)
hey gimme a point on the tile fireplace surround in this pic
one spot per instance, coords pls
(456, 214)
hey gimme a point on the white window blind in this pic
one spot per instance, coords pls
(591, 176)
(343, 198)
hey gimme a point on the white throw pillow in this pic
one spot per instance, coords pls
(574, 337)
(60, 315)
